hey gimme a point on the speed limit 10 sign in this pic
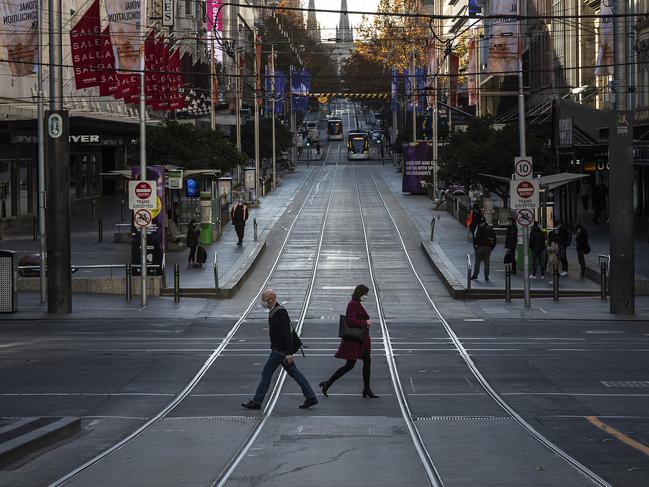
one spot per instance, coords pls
(523, 167)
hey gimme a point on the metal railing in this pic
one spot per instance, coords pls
(468, 272)
(604, 266)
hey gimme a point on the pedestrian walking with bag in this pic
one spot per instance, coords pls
(537, 247)
(565, 239)
(511, 243)
(581, 238)
(284, 342)
(239, 215)
(356, 343)
(192, 242)
(553, 251)
(485, 242)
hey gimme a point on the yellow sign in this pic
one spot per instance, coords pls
(323, 99)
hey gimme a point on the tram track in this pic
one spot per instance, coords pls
(470, 364)
(217, 352)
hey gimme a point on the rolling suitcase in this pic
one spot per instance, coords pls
(201, 256)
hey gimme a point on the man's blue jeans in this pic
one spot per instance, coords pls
(275, 360)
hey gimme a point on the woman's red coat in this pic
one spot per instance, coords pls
(356, 317)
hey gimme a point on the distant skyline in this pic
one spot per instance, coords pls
(329, 21)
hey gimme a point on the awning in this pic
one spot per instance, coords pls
(126, 173)
(550, 182)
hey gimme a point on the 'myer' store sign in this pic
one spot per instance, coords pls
(94, 139)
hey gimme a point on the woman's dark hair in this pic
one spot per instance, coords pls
(361, 290)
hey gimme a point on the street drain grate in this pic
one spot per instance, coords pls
(213, 418)
(461, 418)
(626, 383)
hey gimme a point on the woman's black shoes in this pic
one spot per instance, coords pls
(369, 393)
(325, 387)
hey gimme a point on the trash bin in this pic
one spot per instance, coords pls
(8, 281)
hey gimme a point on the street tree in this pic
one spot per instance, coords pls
(283, 138)
(190, 147)
(362, 75)
(484, 149)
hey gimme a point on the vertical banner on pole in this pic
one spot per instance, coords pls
(19, 35)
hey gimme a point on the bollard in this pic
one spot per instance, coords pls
(129, 273)
(468, 273)
(176, 283)
(602, 279)
(121, 211)
(34, 227)
(100, 229)
(254, 228)
(216, 274)
(555, 283)
(508, 283)
(93, 206)
(2, 220)
(432, 229)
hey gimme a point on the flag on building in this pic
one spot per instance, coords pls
(214, 15)
(300, 90)
(85, 48)
(504, 49)
(604, 62)
(280, 90)
(19, 35)
(420, 95)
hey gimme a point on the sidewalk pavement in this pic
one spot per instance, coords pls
(86, 250)
(451, 243)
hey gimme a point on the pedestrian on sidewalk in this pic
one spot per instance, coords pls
(511, 243)
(553, 251)
(351, 350)
(564, 241)
(586, 191)
(239, 215)
(317, 147)
(485, 242)
(281, 346)
(192, 242)
(581, 238)
(473, 220)
(600, 195)
(537, 247)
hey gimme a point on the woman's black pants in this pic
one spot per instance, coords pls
(349, 365)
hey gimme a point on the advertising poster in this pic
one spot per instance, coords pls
(417, 167)
(155, 247)
(125, 21)
(604, 63)
(85, 46)
(19, 35)
(503, 43)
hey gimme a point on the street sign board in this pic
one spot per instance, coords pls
(523, 167)
(524, 193)
(525, 217)
(142, 218)
(142, 195)
(175, 179)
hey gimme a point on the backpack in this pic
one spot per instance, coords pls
(296, 344)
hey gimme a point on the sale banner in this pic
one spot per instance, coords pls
(85, 47)
(108, 75)
(214, 15)
(19, 35)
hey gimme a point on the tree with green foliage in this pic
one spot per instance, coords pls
(190, 147)
(283, 139)
(483, 149)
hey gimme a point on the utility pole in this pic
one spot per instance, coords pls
(272, 77)
(41, 159)
(237, 101)
(622, 238)
(291, 114)
(256, 104)
(523, 149)
(59, 279)
(143, 231)
(213, 94)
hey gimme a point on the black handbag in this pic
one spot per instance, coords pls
(350, 332)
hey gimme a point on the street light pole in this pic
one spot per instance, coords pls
(256, 105)
(523, 151)
(212, 83)
(272, 74)
(143, 231)
(413, 91)
(59, 278)
(41, 159)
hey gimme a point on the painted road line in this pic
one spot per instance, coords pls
(595, 421)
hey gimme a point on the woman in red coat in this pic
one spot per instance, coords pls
(350, 350)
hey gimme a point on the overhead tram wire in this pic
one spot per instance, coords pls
(206, 365)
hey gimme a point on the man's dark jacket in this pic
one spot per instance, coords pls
(279, 329)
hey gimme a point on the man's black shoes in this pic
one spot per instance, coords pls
(308, 403)
(252, 405)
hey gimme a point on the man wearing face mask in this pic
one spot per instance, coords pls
(281, 344)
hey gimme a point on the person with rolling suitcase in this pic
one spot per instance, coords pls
(192, 242)
(201, 256)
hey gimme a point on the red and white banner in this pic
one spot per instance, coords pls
(604, 62)
(108, 75)
(176, 99)
(19, 35)
(504, 52)
(85, 46)
(161, 100)
(472, 76)
(214, 20)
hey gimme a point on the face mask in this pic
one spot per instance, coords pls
(264, 304)
(364, 297)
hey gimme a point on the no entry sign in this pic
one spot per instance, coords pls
(524, 194)
(142, 195)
